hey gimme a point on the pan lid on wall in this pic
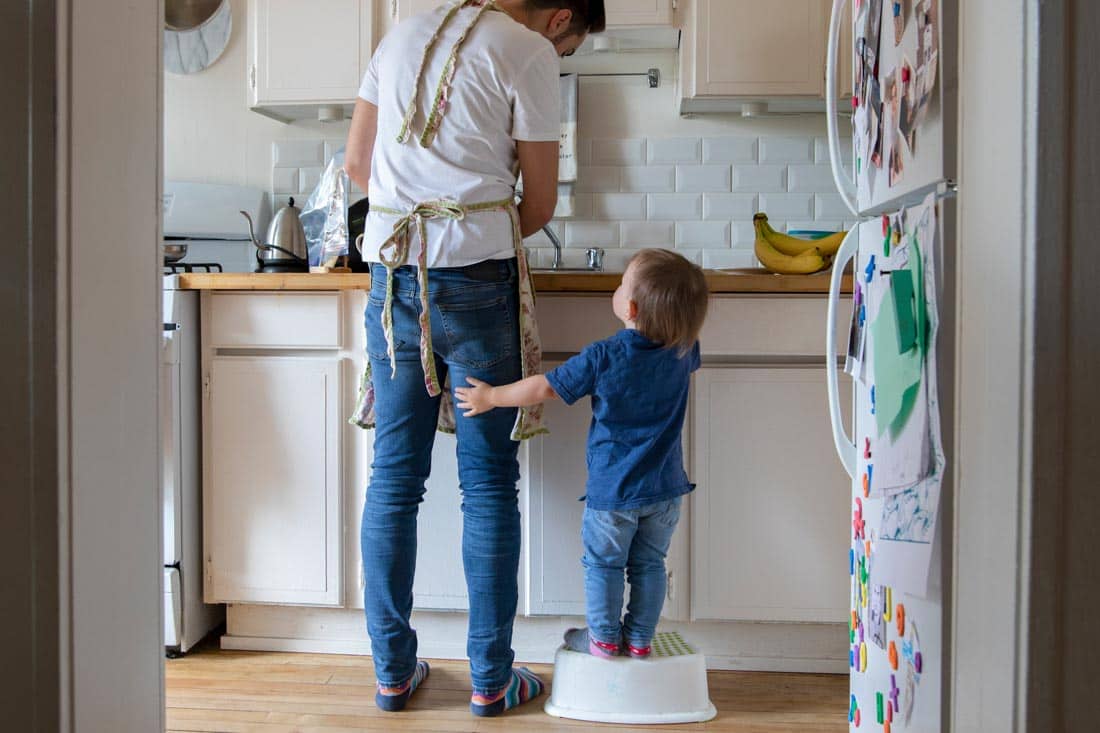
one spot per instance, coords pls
(196, 32)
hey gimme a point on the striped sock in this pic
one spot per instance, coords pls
(394, 699)
(525, 686)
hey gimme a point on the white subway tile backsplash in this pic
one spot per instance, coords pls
(702, 178)
(308, 178)
(787, 205)
(638, 234)
(820, 226)
(821, 150)
(584, 151)
(331, 146)
(729, 150)
(284, 180)
(649, 179)
(742, 234)
(830, 206)
(759, 178)
(619, 152)
(591, 234)
(618, 206)
(728, 206)
(297, 153)
(615, 260)
(810, 179)
(691, 255)
(598, 179)
(675, 206)
(582, 207)
(720, 259)
(704, 234)
(786, 150)
(675, 150)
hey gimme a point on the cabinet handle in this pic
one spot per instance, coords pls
(252, 76)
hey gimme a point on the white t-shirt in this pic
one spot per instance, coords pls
(505, 89)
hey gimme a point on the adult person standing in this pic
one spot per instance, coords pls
(454, 104)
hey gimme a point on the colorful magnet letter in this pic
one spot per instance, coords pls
(856, 721)
(866, 485)
(862, 656)
(889, 712)
(870, 271)
(851, 561)
(872, 399)
(867, 547)
(899, 612)
(888, 611)
(886, 727)
(893, 654)
(894, 692)
(852, 707)
(917, 662)
(880, 714)
(885, 225)
(866, 448)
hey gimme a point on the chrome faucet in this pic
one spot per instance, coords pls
(595, 254)
(557, 246)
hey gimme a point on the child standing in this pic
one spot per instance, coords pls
(638, 381)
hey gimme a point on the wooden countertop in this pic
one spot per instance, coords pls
(720, 281)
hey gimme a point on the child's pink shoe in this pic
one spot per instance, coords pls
(639, 652)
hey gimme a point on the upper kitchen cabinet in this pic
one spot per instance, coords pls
(406, 8)
(736, 51)
(627, 13)
(307, 59)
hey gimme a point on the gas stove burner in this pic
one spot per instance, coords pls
(174, 268)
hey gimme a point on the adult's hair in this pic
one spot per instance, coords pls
(588, 15)
(671, 295)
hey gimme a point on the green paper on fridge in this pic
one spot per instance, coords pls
(901, 288)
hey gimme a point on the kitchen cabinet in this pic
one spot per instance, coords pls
(272, 479)
(768, 532)
(638, 12)
(406, 8)
(440, 582)
(741, 50)
(306, 53)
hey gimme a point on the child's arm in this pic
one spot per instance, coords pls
(482, 397)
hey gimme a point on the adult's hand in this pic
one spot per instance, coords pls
(538, 163)
(360, 145)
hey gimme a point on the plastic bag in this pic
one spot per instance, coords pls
(325, 215)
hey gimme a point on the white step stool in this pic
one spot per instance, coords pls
(668, 687)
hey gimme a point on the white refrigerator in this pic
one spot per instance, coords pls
(898, 180)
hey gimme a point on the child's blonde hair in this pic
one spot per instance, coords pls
(671, 295)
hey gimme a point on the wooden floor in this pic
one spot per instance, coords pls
(234, 692)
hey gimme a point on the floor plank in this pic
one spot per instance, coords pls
(215, 691)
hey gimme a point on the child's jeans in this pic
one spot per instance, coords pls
(634, 540)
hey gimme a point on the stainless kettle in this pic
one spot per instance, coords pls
(285, 250)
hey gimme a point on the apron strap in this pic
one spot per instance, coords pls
(394, 253)
(439, 103)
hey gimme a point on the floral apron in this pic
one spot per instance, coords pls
(394, 253)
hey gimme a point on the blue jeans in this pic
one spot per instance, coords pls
(474, 318)
(634, 540)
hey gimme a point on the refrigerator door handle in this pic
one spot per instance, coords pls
(843, 181)
(845, 446)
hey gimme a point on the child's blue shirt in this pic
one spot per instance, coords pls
(639, 396)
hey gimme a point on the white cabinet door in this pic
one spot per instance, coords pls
(556, 475)
(272, 480)
(638, 12)
(307, 52)
(770, 515)
(752, 48)
(407, 8)
(440, 580)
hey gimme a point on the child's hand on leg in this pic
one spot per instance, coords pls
(475, 399)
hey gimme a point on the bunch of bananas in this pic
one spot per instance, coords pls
(789, 255)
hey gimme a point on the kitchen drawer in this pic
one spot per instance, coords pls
(737, 325)
(765, 325)
(274, 320)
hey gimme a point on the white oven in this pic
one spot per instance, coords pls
(186, 618)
